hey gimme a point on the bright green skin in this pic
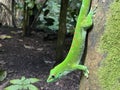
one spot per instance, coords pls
(76, 51)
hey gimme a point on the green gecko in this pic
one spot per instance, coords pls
(76, 51)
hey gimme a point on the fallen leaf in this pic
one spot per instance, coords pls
(28, 47)
(5, 37)
(13, 32)
(16, 32)
(39, 49)
(0, 45)
(47, 62)
(20, 40)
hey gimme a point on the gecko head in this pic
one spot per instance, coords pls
(54, 75)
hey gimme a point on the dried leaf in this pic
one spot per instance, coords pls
(0, 45)
(5, 37)
(28, 47)
(39, 49)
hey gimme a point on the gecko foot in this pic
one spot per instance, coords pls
(83, 68)
(86, 72)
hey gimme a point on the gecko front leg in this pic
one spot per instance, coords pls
(83, 68)
(88, 21)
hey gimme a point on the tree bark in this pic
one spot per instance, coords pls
(25, 20)
(93, 57)
(6, 12)
(62, 31)
(13, 12)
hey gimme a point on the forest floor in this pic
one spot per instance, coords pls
(33, 57)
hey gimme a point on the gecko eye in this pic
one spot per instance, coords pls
(53, 76)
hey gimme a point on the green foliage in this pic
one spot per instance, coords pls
(73, 11)
(3, 75)
(19, 5)
(23, 84)
(30, 5)
(50, 15)
(109, 72)
(49, 18)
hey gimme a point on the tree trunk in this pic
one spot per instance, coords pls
(93, 57)
(25, 20)
(13, 12)
(62, 31)
(26, 27)
(6, 18)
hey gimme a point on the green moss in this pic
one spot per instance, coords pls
(109, 72)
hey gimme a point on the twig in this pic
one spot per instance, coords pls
(36, 17)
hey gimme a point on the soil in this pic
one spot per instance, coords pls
(33, 57)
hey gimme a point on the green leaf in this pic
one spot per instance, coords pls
(25, 87)
(27, 1)
(19, 5)
(32, 87)
(23, 84)
(30, 12)
(32, 80)
(23, 78)
(16, 81)
(31, 5)
(3, 75)
(13, 87)
(38, 6)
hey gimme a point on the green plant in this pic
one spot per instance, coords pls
(28, 8)
(23, 84)
(50, 15)
(3, 75)
(30, 4)
(49, 18)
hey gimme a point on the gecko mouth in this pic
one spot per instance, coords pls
(52, 80)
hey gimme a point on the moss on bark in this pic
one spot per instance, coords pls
(109, 71)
